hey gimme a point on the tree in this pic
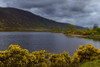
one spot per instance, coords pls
(98, 30)
(95, 26)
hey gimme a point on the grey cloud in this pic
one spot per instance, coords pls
(32, 3)
(78, 12)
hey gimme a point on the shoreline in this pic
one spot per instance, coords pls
(93, 37)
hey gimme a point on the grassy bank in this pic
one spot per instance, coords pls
(89, 34)
(25, 30)
(94, 37)
(95, 63)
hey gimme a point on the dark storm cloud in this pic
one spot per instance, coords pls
(78, 12)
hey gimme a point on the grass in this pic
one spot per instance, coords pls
(25, 30)
(91, 64)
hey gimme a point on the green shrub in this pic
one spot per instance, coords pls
(86, 53)
(41, 58)
(15, 57)
(60, 60)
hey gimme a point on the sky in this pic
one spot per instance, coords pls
(78, 12)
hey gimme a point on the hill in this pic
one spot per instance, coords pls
(12, 19)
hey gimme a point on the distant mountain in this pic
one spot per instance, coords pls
(16, 19)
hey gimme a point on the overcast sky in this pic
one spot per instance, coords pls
(78, 12)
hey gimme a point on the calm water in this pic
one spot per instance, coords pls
(52, 42)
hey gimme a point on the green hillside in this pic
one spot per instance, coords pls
(12, 19)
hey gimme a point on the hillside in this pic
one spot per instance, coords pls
(12, 19)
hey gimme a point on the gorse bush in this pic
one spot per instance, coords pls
(82, 32)
(60, 60)
(15, 56)
(41, 58)
(85, 53)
